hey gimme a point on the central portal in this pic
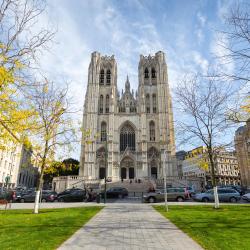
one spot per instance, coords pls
(127, 168)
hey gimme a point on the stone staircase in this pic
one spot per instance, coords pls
(179, 182)
(132, 187)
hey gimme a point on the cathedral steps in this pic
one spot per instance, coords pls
(143, 186)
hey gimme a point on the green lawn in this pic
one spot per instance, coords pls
(21, 229)
(224, 228)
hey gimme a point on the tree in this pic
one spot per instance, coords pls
(53, 127)
(202, 104)
(235, 44)
(66, 167)
(21, 42)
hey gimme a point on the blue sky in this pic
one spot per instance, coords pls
(186, 30)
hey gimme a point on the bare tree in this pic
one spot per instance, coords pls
(235, 44)
(53, 126)
(202, 103)
(23, 37)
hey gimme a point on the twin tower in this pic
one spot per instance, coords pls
(126, 134)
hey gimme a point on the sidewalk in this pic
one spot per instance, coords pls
(124, 226)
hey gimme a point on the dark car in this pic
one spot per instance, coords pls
(71, 195)
(7, 195)
(116, 192)
(30, 196)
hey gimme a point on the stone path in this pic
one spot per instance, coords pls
(134, 226)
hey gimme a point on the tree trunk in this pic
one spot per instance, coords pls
(40, 181)
(216, 197)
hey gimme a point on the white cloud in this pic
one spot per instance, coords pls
(218, 47)
(202, 19)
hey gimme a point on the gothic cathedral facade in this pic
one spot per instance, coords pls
(128, 133)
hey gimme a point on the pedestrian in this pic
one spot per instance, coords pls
(130, 181)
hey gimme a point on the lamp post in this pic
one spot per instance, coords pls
(165, 181)
(106, 163)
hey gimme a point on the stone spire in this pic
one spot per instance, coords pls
(127, 85)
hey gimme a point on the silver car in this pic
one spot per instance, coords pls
(173, 194)
(225, 194)
(246, 197)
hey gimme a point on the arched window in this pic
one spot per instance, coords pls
(101, 104)
(107, 103)
(146, 73)
(153, 73)
(103, 131)
(102, 76)
(152, 131)
(108, 77)
(127, 138)
(147, 103)
(154, 103)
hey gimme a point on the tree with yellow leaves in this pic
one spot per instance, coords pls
(53, 126)
(20, 44)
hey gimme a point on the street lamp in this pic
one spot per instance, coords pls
(165, 181)
(106, 163)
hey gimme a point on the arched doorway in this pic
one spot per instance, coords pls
(153, 159)
(100, 155)
(154, 172)
(101, 173)
(123, 173)
(127, 168)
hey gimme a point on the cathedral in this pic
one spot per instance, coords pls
(127, 134)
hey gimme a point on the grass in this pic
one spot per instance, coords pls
(21, 229)
(224, 228)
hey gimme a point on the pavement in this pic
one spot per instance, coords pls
(133, 226)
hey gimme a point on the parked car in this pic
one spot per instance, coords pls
(7, 195)
(72, 195)
(30, 196)
(246, 197)
(173, 194)
(115, 192)
(238, 188)
(224, 194)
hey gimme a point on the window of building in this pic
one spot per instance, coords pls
(153, 73)
(127, 138)
(101, 104)
(108, 77)
(103, 131)
(146, 73)
(102, 76)
(154, 103)
(147, 103)
(152, 131)
(107, 104)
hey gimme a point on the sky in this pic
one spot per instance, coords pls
(187, 31)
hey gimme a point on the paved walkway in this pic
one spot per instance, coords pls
(133, 226)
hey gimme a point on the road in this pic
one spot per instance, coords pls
(111, 202)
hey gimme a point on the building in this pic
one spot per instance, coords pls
(242, 146)
(227, 171)
(28, 173)
(136, 128)
(15, 165)
(180, 157)
(10, 158)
